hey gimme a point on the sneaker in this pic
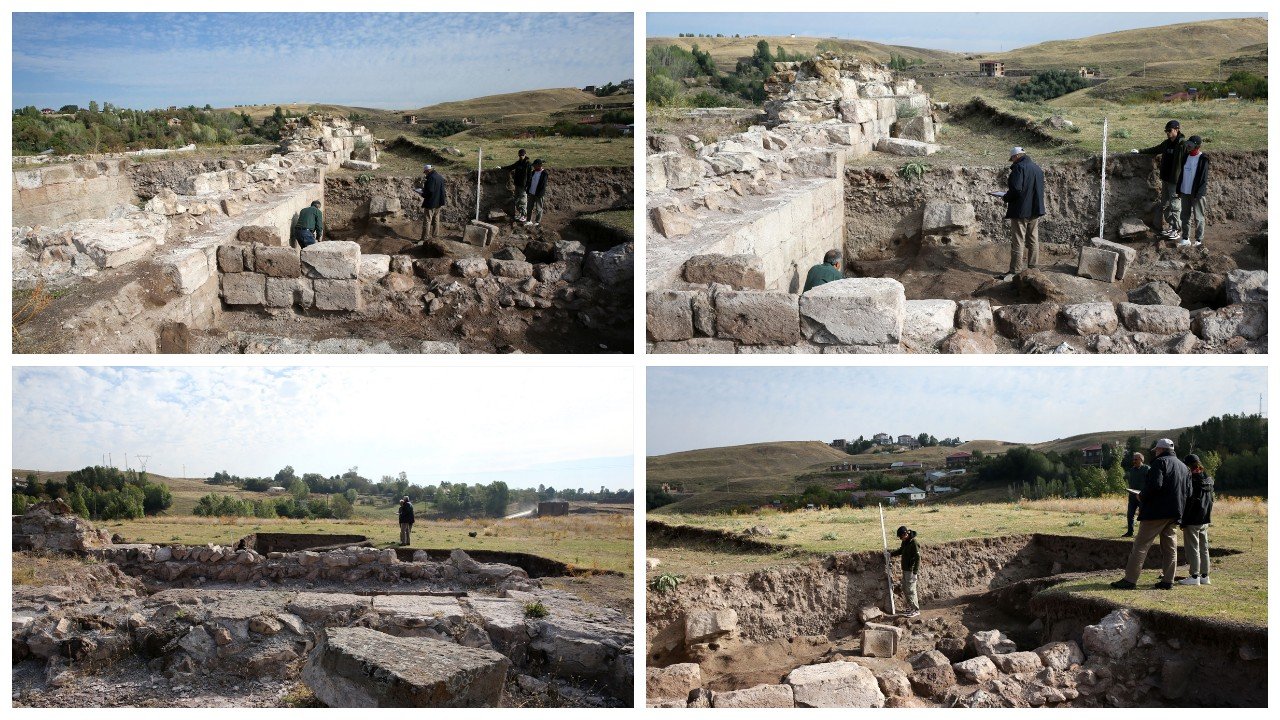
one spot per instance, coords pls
(1171, 234)
(1198, 243)
(1162, 585)
(1123, 585)
(1204, 579)
(911, 613)
(527, 223)
(1193, 580)
(1184, 243)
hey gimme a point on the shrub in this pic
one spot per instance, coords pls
(535, 610)
(1048, 85)
(666, 582)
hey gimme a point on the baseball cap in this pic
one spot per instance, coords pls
(1172, 124)
(1163, 443)
(1194, 141)
(426, 167)
(1192, 460)
(1017, 150)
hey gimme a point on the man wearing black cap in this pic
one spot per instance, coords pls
(1193, 181)
(910, 553)
(1163, 500)
(1025, 199)
(406, 519)
(1172, 152)
(537, 189)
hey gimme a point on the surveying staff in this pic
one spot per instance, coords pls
(433, 200)
(910, 553)
(828, 271)
(520, 171)
(406, 519)
(1025, 199)
(309, 226)
(1172, 152)
(1195, 523)
(1137, 478)
(1164, 499)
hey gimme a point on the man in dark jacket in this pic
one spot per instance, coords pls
(910, 553)
(1193, 181)
(1163, 498)
(433, 200)
(309, 226)
(1025, 199)
(828, 271)
(1195, 523)
(520, 171)
(406, 519)
(1137, 479)
(1172, 152)
(536, 189)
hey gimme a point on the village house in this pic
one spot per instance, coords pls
(1092, 455)
(991, 68)
(908, 441)
(882, 439)
(958, 459)
(910, 493)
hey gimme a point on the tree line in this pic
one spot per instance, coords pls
(98, 493)
(667, 67)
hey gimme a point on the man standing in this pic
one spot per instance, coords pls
(1137, 478)
(1172, 152)
(520, 171)
(910, 553)
(1195, 523)
(432, 193)
(537, 189)
(309, 226)
(828, 271)
(1025, 199)
(1164, 499)
(406, 519)
(1193, 181)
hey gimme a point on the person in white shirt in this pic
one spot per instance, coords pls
(1193, 181)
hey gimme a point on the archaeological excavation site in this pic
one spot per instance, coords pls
(257, 621)
(742, 203)
(992, 633)
(193, 253)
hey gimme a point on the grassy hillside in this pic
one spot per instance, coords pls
(727, 51)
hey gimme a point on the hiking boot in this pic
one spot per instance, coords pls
(1123, 585)
(1162, 585)
(1193, 580)
(1128, 534)
(1204, 579)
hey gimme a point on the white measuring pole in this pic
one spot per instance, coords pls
(479, 163)
(888, 574)
(1102, 199)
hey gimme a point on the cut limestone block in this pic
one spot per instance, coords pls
(836, 684)
(905, 148)
(760, 696)
(758, 318)
(672, 682)
(278, 262)
(244, 288)
(740, 272)
(359, 667)
(1132, 227)
(705, 625)
(479, 233)
(332, 260)
(1127, 254)
(669, 315)
(337, 294)
(1098, 264)
(879, 640)
(855, 311)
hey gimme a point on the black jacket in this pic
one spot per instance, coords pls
(1200, 504)
(1172, 153)
(406, 512)
(910, 553)
(1199, 183)
(1167, 489)
(433, 191)
(1026, 190)
(542, 186)
(520, 171)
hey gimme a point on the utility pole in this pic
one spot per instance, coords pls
(143, 459)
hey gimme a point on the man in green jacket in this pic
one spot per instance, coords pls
(310, 225)
(828, 271)
(1173, 153)
(1137, 479)
(910, 553)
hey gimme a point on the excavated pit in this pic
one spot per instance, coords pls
(754, 629)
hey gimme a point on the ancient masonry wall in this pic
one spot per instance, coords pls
(324, 276)
(65, 193)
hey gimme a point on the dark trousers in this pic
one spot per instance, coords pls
(306, 237)
(1133, 510)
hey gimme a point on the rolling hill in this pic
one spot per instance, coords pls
(727, 51)
(186, 491)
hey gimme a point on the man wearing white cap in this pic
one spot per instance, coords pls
(1025, 199)
(1162, 502)
(432, 193)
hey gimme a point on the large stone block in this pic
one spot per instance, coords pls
(669, 315)
(373, 267)
(991, 642)
(706, 625)
(967, 342)
(1246, 286)
(671, 220)
(975, 316)
(905, 148)
(1060, 655)
(942, 218)
(694, 346)
(1158, 319)
(926, 323)
(231, 258)
(117, 242)
(1125, 255)
(918, 128)
(976, 670)
(879, 640)
(1098, 264)
(760, 696)
(359, 667)
(337, 294)
(244, 288)
(287, 292)
(682, 171)
(835, 685)
(277, 262)
(188, 269)
(332, 260)
(933, 682)
(740, 272)
(259, 235)
(1017, 662)
(672, 682)
(1114, 636)
(758, 318)
(855, 311)
(518, 269)
(1200, 289)
(1022, 321)
(1090, 318)
(1246, 320)
(1156, 292)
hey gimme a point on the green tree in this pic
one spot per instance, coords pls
(496, 500)
(93, 106)
(298, 489)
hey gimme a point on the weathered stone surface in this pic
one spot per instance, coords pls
(740, 272)
(373, 267)
(1246, 320)
(231, 258)
(384, 205)
(942, 218)
(991, 642)
(975, 316)
(244, 288)
(1114, 635)
(672, 682)
(704, 313)
(1156, 292)
(187, 268)
(905, 148)
(1158, 319)
(933, 682)
(287, 292)
(918, 128)
(611, 267)
(705, 625)
(926, 323)
(471, 267)
(1132, 227)
(479, 233)
(1017, 662)
(1246, 286)
(758, 318)
(119, 241)
(1065, 289)
(1200, 289)
(879, 640)
(855, 311)
(53, 526)
(337, 294)
(1060, 655)
(760, 696)
(279, 262)
(836, 684)
(511, 268)
(258, 235)
(927, 659)
(670, 221)
(669, 315)
(1098, 264)
(359, 667)
(893, 683)
(1022, 321)
(1125, 255)
(965, 342)
(332, 260)
(976, 670)
(694, 346)
(682, 171)
(1090, 318)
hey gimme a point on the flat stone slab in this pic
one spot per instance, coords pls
(836, 684)
(906, 148)
(359, 667)
(760, 696)
(332, 260)
(854, 311)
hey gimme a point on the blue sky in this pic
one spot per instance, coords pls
(525, 426)
(975, 32)
(691, 408)
(384, 60)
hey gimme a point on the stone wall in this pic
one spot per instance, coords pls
(327, 140)
(58, 194)
(325, 276)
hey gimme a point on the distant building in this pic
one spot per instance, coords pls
(874, 496)
(410, 119)
(910, 492)
(839, 444)
(958, 459)
(843, 467)
(276, 490)
(553, 508)
(882, 439)
(943, 489)
(1088, 72)
(1092, 455)
(991, 68)
(907, 466)
(851, 485)
(908, 441)
(590, 88)
(46, 111)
